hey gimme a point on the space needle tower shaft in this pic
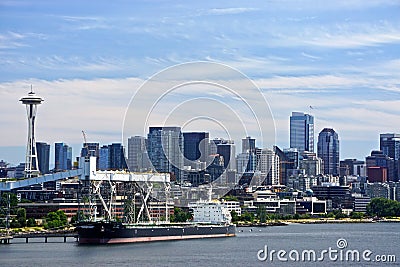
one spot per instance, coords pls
(31, 163)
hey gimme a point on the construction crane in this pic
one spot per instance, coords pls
(85, 144)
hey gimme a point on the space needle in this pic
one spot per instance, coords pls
(31, 164)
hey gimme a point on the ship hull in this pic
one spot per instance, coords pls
(114, 233)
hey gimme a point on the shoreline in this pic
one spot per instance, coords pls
(316, 221)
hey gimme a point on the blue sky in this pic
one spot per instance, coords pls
(88, 58)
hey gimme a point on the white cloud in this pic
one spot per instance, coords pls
(354, 40)
(231, 10)
(98, 107)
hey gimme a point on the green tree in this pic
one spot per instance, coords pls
(180, 215)
(55, 219)
(13, 200)
(31, 222)
(340, 215)
(356, 215)
(63, 217)
(14, 223)
(21, 217)
(305, 216)
(235, 216)
(262, 214)
(330, 215)
(247, 217)
(383, 207)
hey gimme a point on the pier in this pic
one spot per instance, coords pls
(41, 236)
(5, 239)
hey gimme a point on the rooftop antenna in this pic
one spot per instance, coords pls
(311, 108)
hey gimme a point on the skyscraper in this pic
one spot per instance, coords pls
(248, 144)
(196, 146)
(136, 153)
(228, 151)
(43, 155)
(117, 157)
(379, 162)
(247, 160)
(59, 162)
(63, 157)
(302, 132)
(269, 166)
(91, 150)
(288, 163)
(104, 158)
(328, 151)
(165, 147)
(390, 146)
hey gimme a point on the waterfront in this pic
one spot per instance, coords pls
(381, 238)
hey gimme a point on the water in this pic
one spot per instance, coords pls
(380, 238)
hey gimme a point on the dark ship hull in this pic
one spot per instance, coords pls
(114, 233)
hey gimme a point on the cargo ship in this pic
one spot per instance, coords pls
(210, 219)
(100, 226)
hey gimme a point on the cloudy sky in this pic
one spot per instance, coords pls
(87, 59)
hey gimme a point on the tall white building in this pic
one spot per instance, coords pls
(269, 165)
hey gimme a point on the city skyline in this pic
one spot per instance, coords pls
(340, 58)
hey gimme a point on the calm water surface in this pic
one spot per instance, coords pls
(380, 238)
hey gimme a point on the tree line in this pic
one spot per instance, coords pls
(18, 216)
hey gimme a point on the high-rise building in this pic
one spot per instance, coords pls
(380, 166)
(164, 148)
(246, 162)
(196, 147)
(104, 158)
(91, 150)
(228, 151)
(63, 157)
(248, 144)
(302, 132)
(117, 157)
(328, 151)
(43, 155)
(136, 153)
(269, 166)
(390, 146)
(353, 167)
(289, 163)
(311, 164)
(215, 142)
